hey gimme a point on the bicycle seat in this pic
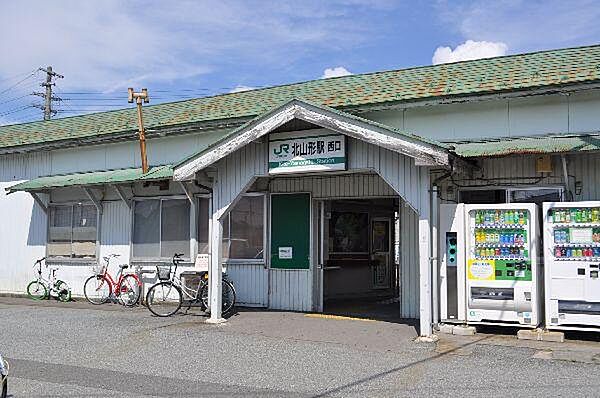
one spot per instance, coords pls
(124, 266)
(53, 268)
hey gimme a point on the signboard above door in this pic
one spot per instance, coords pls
(306, 151)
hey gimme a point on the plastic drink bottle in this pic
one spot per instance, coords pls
(557, 252)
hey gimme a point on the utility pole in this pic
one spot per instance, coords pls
(139, 97)
(48, 98)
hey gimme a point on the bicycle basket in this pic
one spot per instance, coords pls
(98, 269)
(164, 273)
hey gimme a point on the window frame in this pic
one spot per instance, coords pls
(159, 259)
(508, 189)
(61, 259)
(262, 260)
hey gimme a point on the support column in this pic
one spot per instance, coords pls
(424, 256)
(215, 275)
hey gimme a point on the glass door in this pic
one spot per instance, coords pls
(381, 252)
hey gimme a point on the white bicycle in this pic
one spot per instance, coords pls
(42, 288)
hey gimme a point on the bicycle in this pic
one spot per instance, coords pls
(100, 287)
(42, 288)
(166, 297)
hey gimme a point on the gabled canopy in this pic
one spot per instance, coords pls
(424, 151)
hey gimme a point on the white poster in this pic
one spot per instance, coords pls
(306, 151)
(286, 253)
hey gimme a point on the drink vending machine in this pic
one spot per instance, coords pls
(572, 265)
(502, 269)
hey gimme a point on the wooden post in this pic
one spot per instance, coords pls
(139, 97)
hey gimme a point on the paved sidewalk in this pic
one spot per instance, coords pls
(76, 349)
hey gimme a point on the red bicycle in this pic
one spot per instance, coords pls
(101, 287)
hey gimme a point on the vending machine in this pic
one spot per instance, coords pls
(572, 265)
(503, 275)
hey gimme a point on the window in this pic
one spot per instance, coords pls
(161, 227)
(203, 224)
(349, 232)
(243, 229)
(72, 231)
(482, 196)
(538, 196)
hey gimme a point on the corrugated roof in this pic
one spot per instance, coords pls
(529, 145)
(500, 74)
(94, 178)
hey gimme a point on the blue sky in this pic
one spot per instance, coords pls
(185, 49)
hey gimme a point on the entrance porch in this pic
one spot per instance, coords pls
(395, 165)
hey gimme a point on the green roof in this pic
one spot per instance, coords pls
(93, 178)
(484, 76)
(529, 145)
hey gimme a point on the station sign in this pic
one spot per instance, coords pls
(306, 151)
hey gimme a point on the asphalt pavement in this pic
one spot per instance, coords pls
(78, 350)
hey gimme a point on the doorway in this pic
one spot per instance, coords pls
(358, 257)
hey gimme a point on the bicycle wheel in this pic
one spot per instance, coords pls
(164, 299)
(227, 297)
(37, 290)
(63, 292)
(129, 291)
(97, 289)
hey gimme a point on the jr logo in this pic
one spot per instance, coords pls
(283, 150)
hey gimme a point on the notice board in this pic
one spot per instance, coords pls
(290, 231)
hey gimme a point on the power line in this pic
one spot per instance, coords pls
(19, 82)
(15, 110)
(14, 99)
(17, 75)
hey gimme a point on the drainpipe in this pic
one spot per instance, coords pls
(434, 256)
(563, 159)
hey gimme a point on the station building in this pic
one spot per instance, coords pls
(317, 196)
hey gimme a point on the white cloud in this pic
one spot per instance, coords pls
(335, 72)
(110, 45)
(239, 88)
(525, 25)
(469, 50)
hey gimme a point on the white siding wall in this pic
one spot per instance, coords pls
(115, 234)
(398, 171)
(290, 289)
(338, 186)
(22, 222)
(548, 114)
(251, 282)
(409, 263)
